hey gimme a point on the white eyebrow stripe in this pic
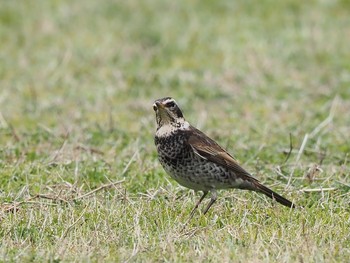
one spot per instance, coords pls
(169, 100)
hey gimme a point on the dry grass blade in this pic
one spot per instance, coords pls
(309, 190)
(290, 148)
(301, 150)
(64, 234)
(59, 197)
(98, 189)
(328, 120)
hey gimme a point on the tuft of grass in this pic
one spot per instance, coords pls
(268, 80)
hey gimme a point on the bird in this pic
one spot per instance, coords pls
(196, 161)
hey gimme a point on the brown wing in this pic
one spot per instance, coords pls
(210, 150)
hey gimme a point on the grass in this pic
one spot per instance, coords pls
(77, 85)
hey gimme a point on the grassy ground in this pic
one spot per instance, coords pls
(79, 177)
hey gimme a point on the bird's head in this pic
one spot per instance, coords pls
(168, 112)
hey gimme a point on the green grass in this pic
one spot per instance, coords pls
(77, 83)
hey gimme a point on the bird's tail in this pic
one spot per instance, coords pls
(268, 192)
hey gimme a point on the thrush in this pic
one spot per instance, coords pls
(196, 161)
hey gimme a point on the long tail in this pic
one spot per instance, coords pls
(268, 192)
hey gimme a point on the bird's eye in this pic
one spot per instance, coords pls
(155, 108)
(170, 104)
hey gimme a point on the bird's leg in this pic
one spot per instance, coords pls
(194, 209)
(198, 203)
(212, 200)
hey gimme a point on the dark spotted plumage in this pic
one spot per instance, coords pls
(196, 161)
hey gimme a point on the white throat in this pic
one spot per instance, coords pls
(168, 128)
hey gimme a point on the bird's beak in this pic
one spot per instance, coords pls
(159, 105)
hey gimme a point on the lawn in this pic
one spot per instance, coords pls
(79, 175)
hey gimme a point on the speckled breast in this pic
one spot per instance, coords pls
(187, 168)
